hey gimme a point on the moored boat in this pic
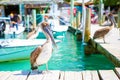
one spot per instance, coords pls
(59, 31)
(18, 49)
(13, 32)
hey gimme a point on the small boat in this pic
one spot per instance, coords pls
(59, 30)
(12, 32)
(18, 49)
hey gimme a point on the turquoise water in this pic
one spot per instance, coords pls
(68, 56)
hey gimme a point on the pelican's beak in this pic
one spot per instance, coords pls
(49, 31)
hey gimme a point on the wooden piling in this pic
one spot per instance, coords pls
(103, 18)
(75, 26)
(28, 20)
(78, 19)
(34, 18)
(87, 26)
(101, 8)
(71, 12)
(119, 18)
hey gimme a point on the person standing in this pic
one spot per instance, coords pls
(14, 20)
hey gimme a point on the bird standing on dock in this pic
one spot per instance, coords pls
(43, 53)
(101, 33)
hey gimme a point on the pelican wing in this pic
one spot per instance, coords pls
(35, 54)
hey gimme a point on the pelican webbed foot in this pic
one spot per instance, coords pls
(36, 71)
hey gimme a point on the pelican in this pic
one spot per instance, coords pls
(43, 53)
(102, 32)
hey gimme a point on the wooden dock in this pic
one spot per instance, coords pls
(62, 75)
(111, 49)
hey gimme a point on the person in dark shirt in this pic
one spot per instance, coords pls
(14, 20)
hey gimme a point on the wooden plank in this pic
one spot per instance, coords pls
(62, 75)
(57, 75)
(36, 76)
(18, 75)
(77, 76)
(5, 75)
(117, 71)
(108, 75)
(52, 75)
(71, 75)
(95, 75)
(1, 73)
(87, 75)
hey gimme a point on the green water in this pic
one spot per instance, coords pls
(68, 56)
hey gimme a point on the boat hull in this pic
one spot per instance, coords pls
(59, 34)
(18, 49)
(15, 53)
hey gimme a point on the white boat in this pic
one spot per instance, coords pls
(18, 49)
(59, 30)
(13, 32)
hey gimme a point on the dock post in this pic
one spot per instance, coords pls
(34, 18)
(78, 19)
(21, 10)
(88, 49)
(28, 25)
(119, 18)
(88, 24)
(103, 18)
(101, 8)
(71, 13)
(75, 25)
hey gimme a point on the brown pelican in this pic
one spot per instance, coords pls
(42, 54)
(102, 32)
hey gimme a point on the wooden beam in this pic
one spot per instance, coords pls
(70, 75)
(87, 75)
(5, 75)
(18, 75)
(117, 71)
(108, 75)
(95, 75)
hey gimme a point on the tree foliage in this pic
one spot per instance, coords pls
(109, 2)
(106, 2)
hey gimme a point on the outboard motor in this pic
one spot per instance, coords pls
(2, 28)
